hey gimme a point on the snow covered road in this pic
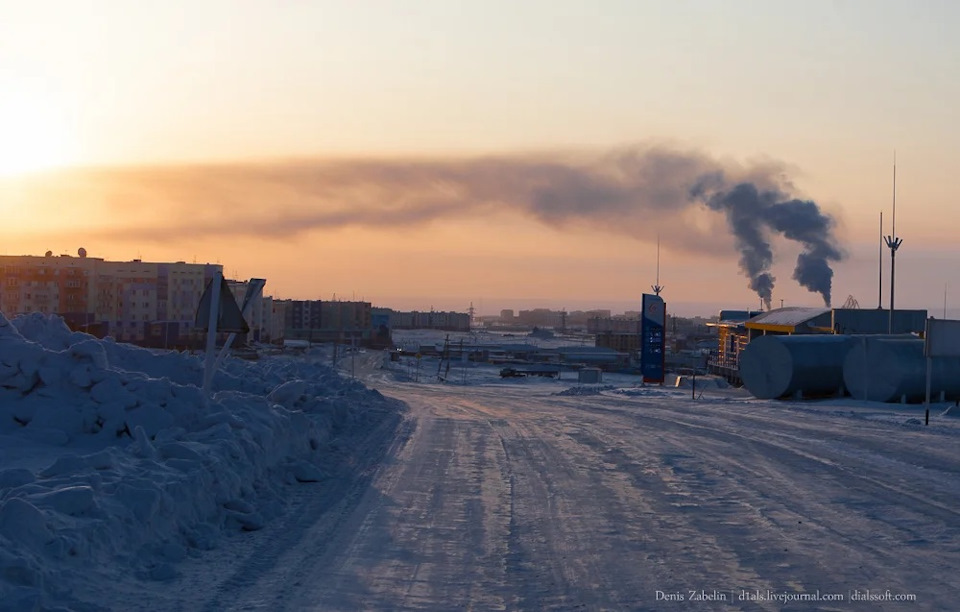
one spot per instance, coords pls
(510, 496)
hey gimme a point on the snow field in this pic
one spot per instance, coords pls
(112, 462)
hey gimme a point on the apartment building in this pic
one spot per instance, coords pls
(129, 300)
(65, 285)
(325, 321)
(442, 320)
(275, 311)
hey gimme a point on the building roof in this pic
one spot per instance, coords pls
(786, 319)
(732, 318)
(595, 350)
(516, 348)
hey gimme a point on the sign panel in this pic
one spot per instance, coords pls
(254, 288)
(229, 317)
(652, 338)
(942, 338)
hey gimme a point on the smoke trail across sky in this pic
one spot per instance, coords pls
(637, 191)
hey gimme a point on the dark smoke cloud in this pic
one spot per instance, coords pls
(639, 191)
(751, 213)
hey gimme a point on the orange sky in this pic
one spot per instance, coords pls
(393, 112)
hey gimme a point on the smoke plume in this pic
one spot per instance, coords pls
(640, 191)
(751, 213)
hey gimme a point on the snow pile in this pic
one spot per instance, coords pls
(585, 390)
(111, 456)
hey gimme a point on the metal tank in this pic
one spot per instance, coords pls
(891, 370)
(805, 365)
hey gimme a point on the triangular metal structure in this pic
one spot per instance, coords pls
(229, 316)
(254, 287)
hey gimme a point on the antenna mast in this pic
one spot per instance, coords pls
(880, 262)
(894, 243)
(657, 288)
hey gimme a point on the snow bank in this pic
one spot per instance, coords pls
(135, 469)
(585, 390)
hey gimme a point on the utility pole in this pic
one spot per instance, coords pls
(693, 384)
(446, 350)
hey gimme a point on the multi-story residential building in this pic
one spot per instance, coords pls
(275, 314)
(184, 284)
(539, 317)
(351, 317)
(442, 320)
(155, 299)
(323, 321)
(129, 300)
(64, 285)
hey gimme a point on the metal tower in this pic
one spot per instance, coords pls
(657, 288)
(880, 267)
(894, 243)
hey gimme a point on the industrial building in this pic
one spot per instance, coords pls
(732, 338)
(795, 320)
(803, 352)
(737, 328)
(570, 357)
(616, 333)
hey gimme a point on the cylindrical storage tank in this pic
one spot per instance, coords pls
(779, 366)
(888, 370)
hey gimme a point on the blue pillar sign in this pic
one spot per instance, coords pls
(653, 339)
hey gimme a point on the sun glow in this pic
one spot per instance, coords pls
(33, 136)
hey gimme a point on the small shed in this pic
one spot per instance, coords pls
(589, 376)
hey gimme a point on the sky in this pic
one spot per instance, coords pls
(420, 154)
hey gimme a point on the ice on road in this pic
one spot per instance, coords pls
(511, 496)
